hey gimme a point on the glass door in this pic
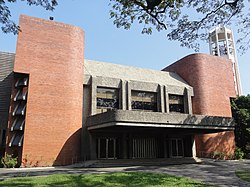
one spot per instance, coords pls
(106, 148)
(176, 148)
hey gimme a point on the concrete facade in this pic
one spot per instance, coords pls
(126, 79)
(156, 119)
(64, 109)
(6, 78)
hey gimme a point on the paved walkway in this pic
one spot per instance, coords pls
(220, 173)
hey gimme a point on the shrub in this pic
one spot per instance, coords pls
(8, 161)
(218, 155)
(230, 156)
(238, 154)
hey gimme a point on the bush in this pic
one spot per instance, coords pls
(238, 154)
(8, 161)
(218, 155)
(230, 156)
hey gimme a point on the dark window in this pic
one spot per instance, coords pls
(17, 140)
(3, 137)
(107, 98)
(22, 81)
(144, 100)
(18, 124)
(176, 103)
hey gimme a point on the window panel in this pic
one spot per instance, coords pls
(16, 140)
(101, 95)
(107, 98)
(176, 103)
(141, 100)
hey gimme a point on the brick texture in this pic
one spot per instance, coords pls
(52, 54)
(212, 80)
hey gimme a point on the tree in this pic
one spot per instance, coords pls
(186, 21)
(8, 25)
(241, 114)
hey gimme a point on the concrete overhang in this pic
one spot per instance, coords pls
(157, 119)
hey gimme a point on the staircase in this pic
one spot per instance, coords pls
(138, 162)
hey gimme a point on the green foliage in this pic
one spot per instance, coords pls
(218, 155)
(238, 154)
(243, 174)
(8, 161)
(131, 179)
(184, 21)
(8, 25)
(241, 114)
(230, 156)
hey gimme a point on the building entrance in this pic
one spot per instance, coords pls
(176, 148)
(144, 148)
(106, 148)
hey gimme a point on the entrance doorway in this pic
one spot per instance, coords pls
(144, 148)
(176, 148)
(106, 148)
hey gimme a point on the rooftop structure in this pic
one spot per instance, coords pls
(221, 43)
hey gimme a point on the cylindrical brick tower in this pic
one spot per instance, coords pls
(212, 80)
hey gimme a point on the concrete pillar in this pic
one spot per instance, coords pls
(130, 146)
(187, 101)
(93, 95)
(123, 95)
(167, 100)
(128, 96)
(92, 147)
(161, 97)
(124, 146)
(193, 147)
(165, 144)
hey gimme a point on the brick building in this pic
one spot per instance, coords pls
(57, 108)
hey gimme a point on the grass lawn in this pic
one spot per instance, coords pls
(243, 174)
(134, 179)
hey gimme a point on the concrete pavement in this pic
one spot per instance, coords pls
(220, 173)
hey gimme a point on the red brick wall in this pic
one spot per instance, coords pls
(212, 80)
(207, 144)
(52, 54)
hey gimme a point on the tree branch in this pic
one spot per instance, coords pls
(210, 13)
(234, 4)
(144, 7)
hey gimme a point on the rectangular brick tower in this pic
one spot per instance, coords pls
(45, 117)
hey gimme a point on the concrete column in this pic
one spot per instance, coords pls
(124, 146)
(193, 147)
(165, 146)
(92, 147)
(167, 100)
(130, 146)
(128, 96)
(161, 97)
(187, 101)
(93, 95)
(123, 95)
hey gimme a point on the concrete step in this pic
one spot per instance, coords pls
(138, 162)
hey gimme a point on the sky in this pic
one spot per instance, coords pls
(105, 42)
